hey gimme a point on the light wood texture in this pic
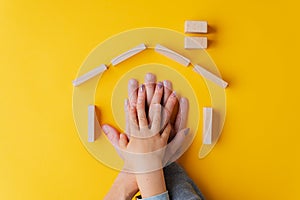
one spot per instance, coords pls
(195, 42)
(207, 125)
(89, 75)
(91, 123)
(195, 26)
(172, 55)
(210, 76)
(126, 55)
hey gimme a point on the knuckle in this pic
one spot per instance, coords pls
(142, 118)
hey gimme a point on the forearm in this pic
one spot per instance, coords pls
(152, 183)
(123, 188)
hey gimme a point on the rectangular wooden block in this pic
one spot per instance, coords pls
(195, 26)
(207, 125)
(210, 76)
(195, 42)
(128, 54)
(172, 55)
(89, 75)
(91, 123)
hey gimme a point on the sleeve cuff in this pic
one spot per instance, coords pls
(162, 196)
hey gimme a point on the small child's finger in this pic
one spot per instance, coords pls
(142, 118)
(157, 93)
(133, 86)
(165, 134)
(167, 90)
(150, 82)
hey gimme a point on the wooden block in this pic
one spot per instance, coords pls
(89, 75)
(195, 26)
(210, 76)
(128, 54)
(91, 123)
(195, 42)
(207, 125)
(172, 55)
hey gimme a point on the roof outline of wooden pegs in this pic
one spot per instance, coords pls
(89, 75)
(128, 54)
(210, 76)
(172, 55)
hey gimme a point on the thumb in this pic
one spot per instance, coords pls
(112, 134)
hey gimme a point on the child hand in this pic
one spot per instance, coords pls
(145, 150)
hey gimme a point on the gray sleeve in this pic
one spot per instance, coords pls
(163, 196)
(179, 185)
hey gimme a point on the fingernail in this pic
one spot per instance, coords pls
(160, 85)
(187, 131)
(142, 88)
(105, 129)
(132, 81)
(149, 76)
(182, 100)
(165, 83)
(126, 102)
(174, 94)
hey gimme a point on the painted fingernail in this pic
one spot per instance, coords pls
(165, 83)
(160, 85)
(187, 131)
(105, 129)
(142, 88)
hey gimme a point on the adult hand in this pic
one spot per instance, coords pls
(145, 150)
(178, 123)
(129, 186)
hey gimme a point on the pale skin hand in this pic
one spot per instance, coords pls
(139, 124)
(145, 150)
(151, 183)
(125, 185)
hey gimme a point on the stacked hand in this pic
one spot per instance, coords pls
(153, 116)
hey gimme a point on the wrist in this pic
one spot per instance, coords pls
(152, 183)
(128, 185)
(124, 187)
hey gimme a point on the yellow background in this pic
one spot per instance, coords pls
(255, 45)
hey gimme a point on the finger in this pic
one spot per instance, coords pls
(172, 151)
(127, 128)
(141, 107)
(155, 114)
(165, 134)
(174, 113)
(150, 80)
(112, 134)
(156, 99)
(167, 90)
(181, 119)
(133, 123)
(170, 111)
(133, 86)
(170, 104)
(123, 141)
